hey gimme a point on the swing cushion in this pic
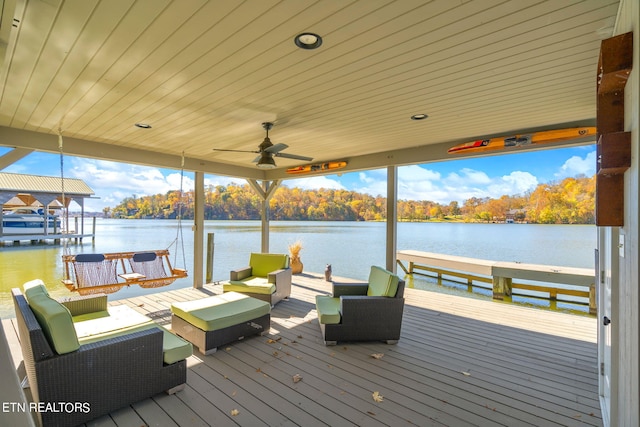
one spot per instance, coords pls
(89, 258)
(144, 256)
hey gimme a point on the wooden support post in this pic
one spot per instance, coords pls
(210, 250)
(501, 287)
(593, 307)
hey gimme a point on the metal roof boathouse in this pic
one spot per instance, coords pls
(43, 195)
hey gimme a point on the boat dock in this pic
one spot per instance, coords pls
(16, 239)
(56, 236)
(501, 274)
(459, 362)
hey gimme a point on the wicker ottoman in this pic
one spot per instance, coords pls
(218, 320)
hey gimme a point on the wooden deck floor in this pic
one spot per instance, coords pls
(460, 362)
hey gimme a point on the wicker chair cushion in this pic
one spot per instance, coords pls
(253, 284)
(263, 264)
(56, 323)
(174, 348)
(33, 288)
(220, 311)
(117, 318)
(328, 309)
(382, 283)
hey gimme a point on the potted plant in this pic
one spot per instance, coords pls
(294, 253)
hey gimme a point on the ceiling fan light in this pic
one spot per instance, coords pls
(266, 162)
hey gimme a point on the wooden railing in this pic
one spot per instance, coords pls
(501, 274)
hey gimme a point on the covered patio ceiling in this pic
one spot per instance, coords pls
(204, 75)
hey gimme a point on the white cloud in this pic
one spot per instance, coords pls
(577, 165)
(314, 183)
(419, 183)
(366, 178)
(112, 182)
(516, 182)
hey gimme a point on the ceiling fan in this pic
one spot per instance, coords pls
(267, 151)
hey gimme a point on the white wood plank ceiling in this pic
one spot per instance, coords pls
(206, 74)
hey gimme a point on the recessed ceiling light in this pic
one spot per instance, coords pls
(143, 126)
(419, 117)
(308, 41)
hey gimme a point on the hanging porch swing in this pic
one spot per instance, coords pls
(110, 272)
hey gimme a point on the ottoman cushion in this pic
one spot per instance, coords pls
(220, 311)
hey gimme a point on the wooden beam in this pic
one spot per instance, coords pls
(392, 218)
(119, 153)
(13, 156)
(198, 232)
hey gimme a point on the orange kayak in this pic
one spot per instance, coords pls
(316, 167)
(542, 137)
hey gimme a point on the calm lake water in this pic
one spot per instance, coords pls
(350, 247)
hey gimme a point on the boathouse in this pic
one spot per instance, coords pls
(206, 86)
(44, 193)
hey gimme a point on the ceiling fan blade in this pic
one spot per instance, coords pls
(257, 159)
(276, 148)
(293, 156)
(236, 151)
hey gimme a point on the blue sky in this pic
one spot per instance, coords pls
(441, 182)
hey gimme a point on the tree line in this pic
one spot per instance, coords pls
(570, 201)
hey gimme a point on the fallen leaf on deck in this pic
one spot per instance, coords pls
(228, 349)
(300, 336)
(297, 378)
(377, 355)
(466, 373)
(234, 412)
(377, 397)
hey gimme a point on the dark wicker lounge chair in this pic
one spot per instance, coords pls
(355, 313)
(101, 376)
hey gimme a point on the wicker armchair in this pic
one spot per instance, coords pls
(98, 377)
(267, 278)
(357, 312)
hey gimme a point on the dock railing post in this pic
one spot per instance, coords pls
(593, 307)
(210, 250)
(501, 287)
